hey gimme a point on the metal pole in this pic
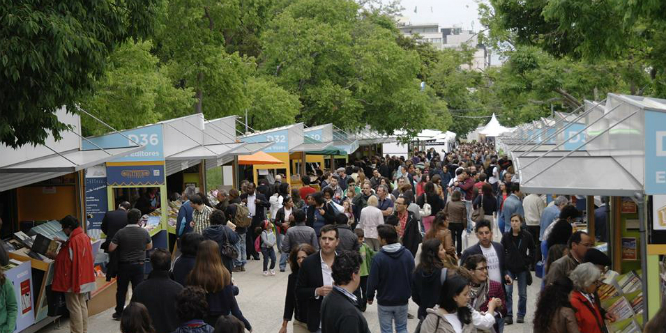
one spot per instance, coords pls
(639, 198)
(245, 121)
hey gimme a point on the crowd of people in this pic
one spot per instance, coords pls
(380, 230)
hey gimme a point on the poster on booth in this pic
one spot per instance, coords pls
(21, 278)
(659, 212)
(655, 152)
(280, 139)
(96, 196)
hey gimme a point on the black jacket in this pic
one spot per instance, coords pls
(436, 203)
(309, 279)
(412, 236)
(182, 267)
(476, 249)
(518, 258)
(158, 293)
(329, 215)
(348, 239)
(341, 315)
(112, 222)
(426, 288)
(292, 306)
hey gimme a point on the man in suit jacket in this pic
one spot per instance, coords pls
(340, 313)
(257, 204)
(315, 279)
(112, 222)
(493, 251)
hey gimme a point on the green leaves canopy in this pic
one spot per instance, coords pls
(52, 52)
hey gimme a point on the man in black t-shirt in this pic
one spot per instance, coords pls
(131, 242)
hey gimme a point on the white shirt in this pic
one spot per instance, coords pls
(452, 318)
(326, 272)
(287, 214)
(494, 272)
(276, 204)
(482, 320)
(533, 206)
(493, 177)
(251, 205)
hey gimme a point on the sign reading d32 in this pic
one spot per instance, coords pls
(655, 152)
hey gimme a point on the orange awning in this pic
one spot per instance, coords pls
(258, 158)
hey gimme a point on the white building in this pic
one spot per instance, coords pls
(452, 37)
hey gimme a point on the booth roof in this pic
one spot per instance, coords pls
(258, 158)
(578, 175)
(493, 128)
(206, 151)
(70, 161)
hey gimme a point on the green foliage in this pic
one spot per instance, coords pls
(270, 105)
(51, 52)
(348, 67)
(133, 92)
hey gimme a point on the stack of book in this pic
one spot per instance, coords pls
(622, 296)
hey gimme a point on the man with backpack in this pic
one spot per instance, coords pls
(239, 214)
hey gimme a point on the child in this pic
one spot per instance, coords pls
(268, 240)
(366, 255)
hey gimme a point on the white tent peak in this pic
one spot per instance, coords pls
(493, 128)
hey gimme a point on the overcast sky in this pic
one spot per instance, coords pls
(463, 13)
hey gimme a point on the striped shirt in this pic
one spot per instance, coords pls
(201, 219)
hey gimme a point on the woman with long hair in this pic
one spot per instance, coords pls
(436, 203)
(428, 276)
(453, 315)
(209, 274)
(135, 319)
(292, 306)
(554, 313)
(488, 202)
(440, 230)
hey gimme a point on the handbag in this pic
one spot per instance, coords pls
(478, 214)
(426, 210)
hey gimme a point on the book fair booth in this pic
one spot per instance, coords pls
(335, 153)
(614, 149)
(38, 186)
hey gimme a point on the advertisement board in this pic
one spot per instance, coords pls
(149, 136)
(655, 152)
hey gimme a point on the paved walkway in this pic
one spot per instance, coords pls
(262, 301)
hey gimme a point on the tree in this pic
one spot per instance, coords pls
(346, 66)
(133, 91)
(52, 52)
(270, 105)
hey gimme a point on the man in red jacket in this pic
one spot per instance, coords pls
(74, 272)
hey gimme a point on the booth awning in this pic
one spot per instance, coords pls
(310, 145)
(252, 147)
(576, 175)
(69, 161)
(9, 181)
(258, 158)
(206, 151)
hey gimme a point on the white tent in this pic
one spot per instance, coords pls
(493, 128)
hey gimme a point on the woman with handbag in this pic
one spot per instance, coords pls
(456, 211)
(518, 254)
(431, 203)
(488, 203)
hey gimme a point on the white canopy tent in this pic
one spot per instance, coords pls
(494, 128)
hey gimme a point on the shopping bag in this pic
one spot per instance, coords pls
(465, 239)
(56, 302)
(538, 270)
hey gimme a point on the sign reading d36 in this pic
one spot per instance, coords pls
(655, 152)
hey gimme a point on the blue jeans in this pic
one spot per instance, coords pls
(500, 324)
(468, 206)
(241, 248)
(283, 255)
(388, 314)
(268, 253)
(522, 294)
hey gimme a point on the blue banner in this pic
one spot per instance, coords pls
(96, 201)
(150, 136)
(135, 175)
(655, 152)
(280, 137)
(314, 134)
